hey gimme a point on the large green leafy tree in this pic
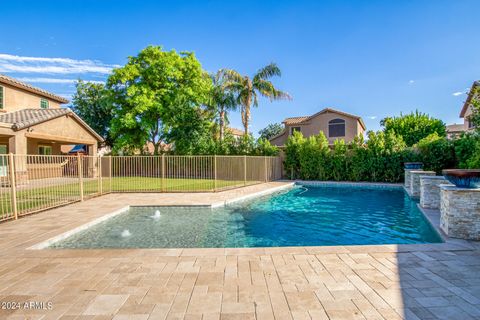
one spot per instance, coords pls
(248, 89)
(91, 102)
(414, 126)
(158, 97)
(221, 100)
(270, 131)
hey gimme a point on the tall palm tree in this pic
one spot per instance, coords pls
(222, 100)
(248, 89)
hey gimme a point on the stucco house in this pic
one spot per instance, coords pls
(333, 123)
(454, 130)
(466, 111)
(236, 133)
(32, 121)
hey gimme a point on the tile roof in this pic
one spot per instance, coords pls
(299, 120)
(235, 131)
(30, 88)
(295, 120)
(456, 128)
(25, 118)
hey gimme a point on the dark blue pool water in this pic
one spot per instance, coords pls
(311, 216)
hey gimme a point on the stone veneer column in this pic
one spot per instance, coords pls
(415, 181)
(407, 177)
(430, 191)
(460, 212)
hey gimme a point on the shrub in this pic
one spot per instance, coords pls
(474, 161)
(437, 153)
(466, 147)
(292, 154)
(337, 168)
(263, 147)
(379, 159)
(313, 158)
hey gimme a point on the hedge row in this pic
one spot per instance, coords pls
(378, 159)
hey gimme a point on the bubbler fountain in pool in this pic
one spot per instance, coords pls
(156, 215)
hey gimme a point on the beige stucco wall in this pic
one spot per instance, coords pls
(280, 140)
(466, 121)
(65, 129)
(16, 99)
(33, 144)
(320, 123)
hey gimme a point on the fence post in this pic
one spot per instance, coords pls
(99, 168)
(265, 167)
(162, 181)
(13, 184)
(244, 170)
(215, 173)
(110, 163)
(80, 175)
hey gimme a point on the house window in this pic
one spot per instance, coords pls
(470, 124)
(293, 129)
(3, 149)
(44, 104)
(1, 97)
(336, 128)
(45, 150)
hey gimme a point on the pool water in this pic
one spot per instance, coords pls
(301, 216)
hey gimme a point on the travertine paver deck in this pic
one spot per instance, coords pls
(439, 281)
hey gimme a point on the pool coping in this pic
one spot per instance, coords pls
(379, 185)
(46, 243)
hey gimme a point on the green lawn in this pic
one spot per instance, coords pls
(30, 198)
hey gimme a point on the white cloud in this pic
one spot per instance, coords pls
(55, 80)
(21, 64)
(459, 93)
(411, 82)
(372, 117)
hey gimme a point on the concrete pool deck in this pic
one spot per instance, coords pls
(431, 281)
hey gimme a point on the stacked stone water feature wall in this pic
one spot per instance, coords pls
(415, 181)
(430, 191)
(460, 212)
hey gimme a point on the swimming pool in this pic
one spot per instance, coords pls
(301, 216)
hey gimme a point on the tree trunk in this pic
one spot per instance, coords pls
(246, 113)
(156, 146)
(244, 121)
(222, 123)
(247, 118)
(246, 107)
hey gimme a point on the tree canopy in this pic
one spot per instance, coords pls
(249, 89)
(91, 102)
(221, 100)
(270, 131)
(158, 97)
(414, 126)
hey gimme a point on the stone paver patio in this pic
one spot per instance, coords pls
(434, 281)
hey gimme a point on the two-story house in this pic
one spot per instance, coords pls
(454, 130)
(466, 111)
(333, 123)
(32, 121)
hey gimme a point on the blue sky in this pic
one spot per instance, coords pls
(370, 58)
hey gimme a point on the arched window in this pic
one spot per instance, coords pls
(336, 128)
